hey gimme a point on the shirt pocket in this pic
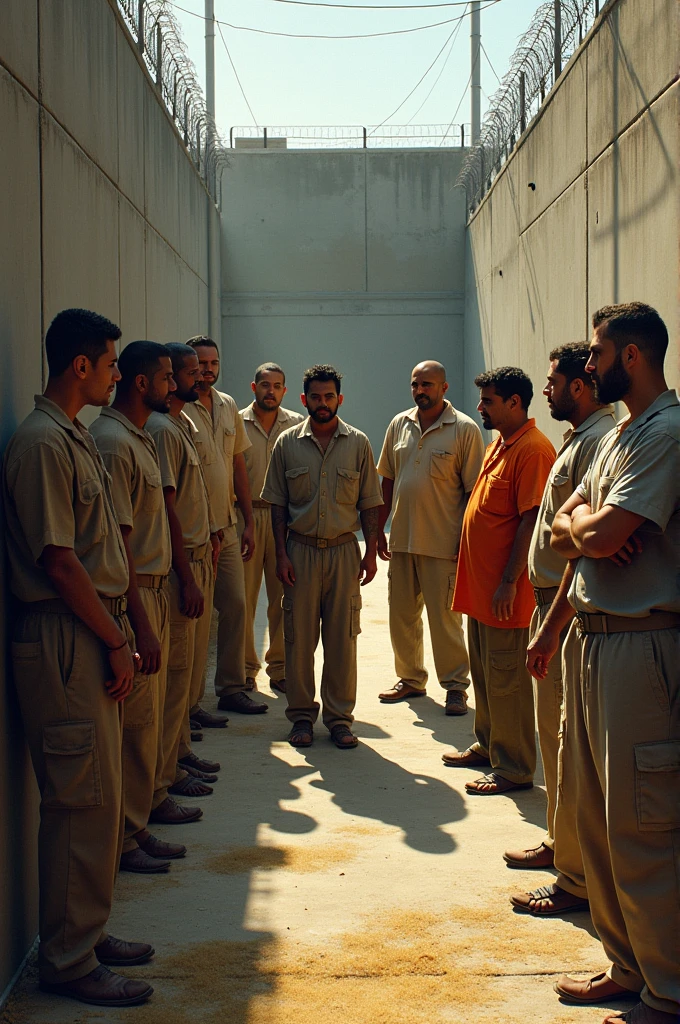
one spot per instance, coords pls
(153, 492)
(91, 521)
(206, 451)
(657, 785)
(604, 486)
(560, 490)
(347, 486)
(497, 496)
(441, 465)
(299, 485)
(229, 440)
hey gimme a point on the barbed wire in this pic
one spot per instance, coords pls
(348, 136)
(533, 72)
(154, 28)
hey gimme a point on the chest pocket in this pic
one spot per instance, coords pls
(91, 521)
(560, 490)
(347, 486)
(299, 485)
(604, 486)
(441, 465)
(497, 496)
(229, 442)
(206, 450)
(153, 493)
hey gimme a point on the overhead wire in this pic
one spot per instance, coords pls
(455, 113)
(233, 66)
(373, 7)
(488, 60)
(441, 72)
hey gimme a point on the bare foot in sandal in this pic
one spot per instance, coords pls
(343, 737)
(302, 734)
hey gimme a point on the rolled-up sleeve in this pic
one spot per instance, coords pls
(275, 489)
(370, 495)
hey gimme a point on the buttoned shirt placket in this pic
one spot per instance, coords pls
(323, 478)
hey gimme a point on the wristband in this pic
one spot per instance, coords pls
(119, 648)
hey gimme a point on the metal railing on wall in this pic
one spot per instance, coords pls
(557, 29)
(160, 44)
(408, 136)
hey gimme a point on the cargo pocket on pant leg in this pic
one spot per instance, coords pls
(288, 627)
(355, 615)
(139, 709)
(178, 658)
(72, 778)
(657, 785)
(503, 674)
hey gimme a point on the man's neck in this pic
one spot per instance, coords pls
(265, 417)
(584, 412)
(430, 416)
(511, 429)
(136, 412)
(323, 432)
(644, 393)
(206, 398)
(65, 396)
(176, 406)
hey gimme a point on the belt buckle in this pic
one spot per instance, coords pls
(321, 542)
(581, 624)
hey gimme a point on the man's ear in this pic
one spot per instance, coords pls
(80, 366)
(341, 399)
(303, 399)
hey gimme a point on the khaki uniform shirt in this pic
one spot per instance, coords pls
(181, 469)
(130, 456)
(323, 491)
(637, 467)
(573, 459)
(56, 492)
(432, 472)
(218, 439)
(258, 455)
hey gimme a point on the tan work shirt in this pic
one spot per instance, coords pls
(637, 467)
(131, 459)
(56, 492)
(181, 469)
(218, 439)
(546, 566)
(432, 472)
(323, 491)
(261, 444)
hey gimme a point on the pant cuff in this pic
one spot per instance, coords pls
(573, 888)
(519, 779)
(453, 684)
(627, 979)
(302, 715)
(52, 977)
(549, 841)
(159, 796)
(478, 748)
(670, 1006)
(129, 844)
(230, 688)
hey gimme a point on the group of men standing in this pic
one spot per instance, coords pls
(122, 539)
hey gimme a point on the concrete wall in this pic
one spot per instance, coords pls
(100, 207)
(602, 223)
(352, 257)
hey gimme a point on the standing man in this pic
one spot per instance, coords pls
(130, 456)
(430, 460)
(321, 481)
(264, 421)
(622, 528)
(571, 396)
(72, 660)
(222, 440)
(492, 586)
(194, 554)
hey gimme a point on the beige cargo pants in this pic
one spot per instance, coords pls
(548, 695)
(626, 741)
(504, 700)
(262, 563)
(143, 725)
(73, 730)
(417, 582)
(186, 667)
(230, 601)
(326, 601)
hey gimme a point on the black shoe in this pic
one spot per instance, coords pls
(241, 703)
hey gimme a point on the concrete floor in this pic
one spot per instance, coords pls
(325, 884)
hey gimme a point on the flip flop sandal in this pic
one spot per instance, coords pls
(497, 785)
(197, 774)
(302, 734)
(338, 733)
(547, 900)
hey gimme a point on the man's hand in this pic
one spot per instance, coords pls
(541, 651)
(215, 544)
(248, 541)
(624, 556)
(367, 569)
(149, 652)
(191, 600)
(285, 571)
(123, 667)
(503, 601)
(383, 548)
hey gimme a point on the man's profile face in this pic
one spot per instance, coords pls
(161, 386)
(561, 402)
(209, 361)
(101, 377)
(269, 391)
(605, 366)
(492, 408)
(322, 400)
(188, 379)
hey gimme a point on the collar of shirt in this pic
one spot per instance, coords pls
(307, 429)
(55, 412)
(606, 410)
(185, 422)
(250, 415)
(114, 414)
(447, 416)
(665, 400)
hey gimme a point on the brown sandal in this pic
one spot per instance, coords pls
(493, 784)
(340, 732)
(547, 900)
(302, 734)
(190, 787)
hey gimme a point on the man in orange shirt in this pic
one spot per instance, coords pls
(492, 586)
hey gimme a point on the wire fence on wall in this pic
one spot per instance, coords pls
(557, 29)
(409, 136)
(159, 41)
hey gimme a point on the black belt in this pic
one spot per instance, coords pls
(594, 623)
(55, 606)
(545, 595)
(321, 542)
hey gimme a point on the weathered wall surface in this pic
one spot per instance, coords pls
(353, 258)
(602, 223)
(100, 207)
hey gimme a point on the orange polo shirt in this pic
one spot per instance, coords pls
(512, 479)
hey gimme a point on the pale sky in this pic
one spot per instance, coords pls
(348, 82)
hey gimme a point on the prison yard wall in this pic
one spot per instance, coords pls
(100, 207)
(601, 223)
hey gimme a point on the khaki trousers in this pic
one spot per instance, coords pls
(263, 562)
(504, 700)
(548, 696)
(73, 730)
(627, 749)
(417, 582)
(142, 727)
(230, 601)
(186, 665)
(326, 591)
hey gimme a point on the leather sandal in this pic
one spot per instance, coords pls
(101, 987)
(598, 988)
(200, 763)
(190, 787)
(493, 785)
(540, 856)
(547, 900)
(196, 774)
(339, 733)
(400, 691)
(302, 734)
(466, 759)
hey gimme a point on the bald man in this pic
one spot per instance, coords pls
(429, 463)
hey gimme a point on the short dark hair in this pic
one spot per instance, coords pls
(508, 381)
(571, 361)
(202, 340)
(77, 332)
(179, 353)
(139, 357)
(634, 323)
(322, 372)
(268, 368)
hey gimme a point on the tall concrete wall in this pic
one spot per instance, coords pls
(602, 223)
(100, 207)
(352, 257)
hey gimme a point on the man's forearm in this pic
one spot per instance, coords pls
(517, 562)
(561, 540)
(561, 612)
(370, 526)
(242, 488)
(139, 620)
(280, 527)
(70, 580)
(180, 562)
(385, 509)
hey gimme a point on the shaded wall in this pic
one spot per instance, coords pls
(100, 207)
(601, 225)
(353, 258)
